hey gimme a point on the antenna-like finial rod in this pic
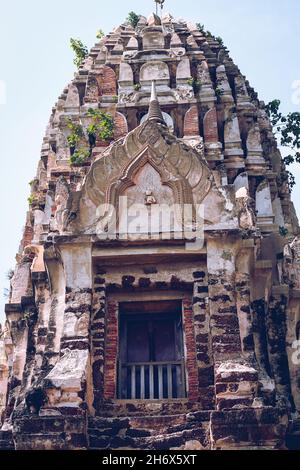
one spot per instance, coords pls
(161, 3)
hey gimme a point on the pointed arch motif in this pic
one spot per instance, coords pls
(179, 166)
(121, 126)
(104, 82)
(191, 122)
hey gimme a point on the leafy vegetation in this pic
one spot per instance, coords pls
(283, 231)
(79, 156)
(137, 86)
(33, 182)
(287, 131)
(100, 34)
(101, 127)
(32, 199)
(219, 91)
(80, 51)
(133, 19)
(76, 134)
(202, 30)
(196, 84)
(220, 40)
(200, 27)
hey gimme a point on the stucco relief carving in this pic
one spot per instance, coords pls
(184, 92)
(150, 198)
(177, 52)
(246, 210)
(181, 170)
(291, 263)
(61, 208)
(127, 96)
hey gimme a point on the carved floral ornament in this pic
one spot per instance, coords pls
(179, 166)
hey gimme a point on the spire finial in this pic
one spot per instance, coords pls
(161, 3)
(155, 113)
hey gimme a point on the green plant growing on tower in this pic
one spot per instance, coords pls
(33, 198)
(133, 19)
(220, 40)
(283, 232)
(79, 156)
(100, 34)
(80, 51)
(287, 132)
(200, 27)
(196, 84)
(76, 134)
(101, 127)
(219, 91)
(33, 182)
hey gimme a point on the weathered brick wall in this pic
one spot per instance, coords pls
(111, 350)
(190, 345)
(210, 127)
(224, 320)
(98, 338)
(203, 341)
(121, 127)
(76, 334)
(245, 316)
(191, 122)
(107, 81)
(277, 333)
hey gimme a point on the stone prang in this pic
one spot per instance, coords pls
(125, 335)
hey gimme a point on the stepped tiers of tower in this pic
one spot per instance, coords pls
(122, 337)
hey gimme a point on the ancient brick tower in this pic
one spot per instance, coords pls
(156, 341)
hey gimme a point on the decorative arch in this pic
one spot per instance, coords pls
(170, 191)
(263, 199)
(254, 141)
(101, 83)
(178, 165)
(210, 126)
(155, 70)
(183, 72)
(121, 127)
(92, 94)
(181, 190)
(107, 81)
(125, 74)
(191, 122)
(153, 39)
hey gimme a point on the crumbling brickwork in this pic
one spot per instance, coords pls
(189, 131)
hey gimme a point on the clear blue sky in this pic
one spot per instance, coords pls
(36, 63)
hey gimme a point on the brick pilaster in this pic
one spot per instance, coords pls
(111, 351)
(190, 345)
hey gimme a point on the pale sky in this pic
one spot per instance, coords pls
(36, 63)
